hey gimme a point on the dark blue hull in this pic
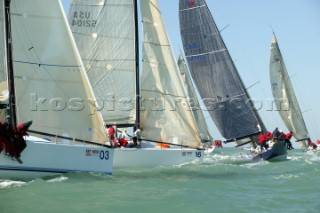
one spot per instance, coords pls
(277, 153)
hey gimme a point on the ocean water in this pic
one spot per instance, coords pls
(223, 182)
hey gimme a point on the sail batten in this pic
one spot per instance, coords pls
(206, 53)
(284, 96)
(214, 73)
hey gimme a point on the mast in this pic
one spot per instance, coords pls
(135, 5)
(12, 99)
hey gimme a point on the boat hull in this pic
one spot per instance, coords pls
(42, 159)
(151, 157)
(277, 153)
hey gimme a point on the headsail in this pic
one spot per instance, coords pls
(52, 88)
(193, 101)
(283, 93)
(215, 74)
(105, 33)
(164, 112)
(4, 93)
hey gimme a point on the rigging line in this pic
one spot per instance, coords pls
(47, 65)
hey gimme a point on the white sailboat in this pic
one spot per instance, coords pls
(47, 84)
(284, 96)
(109, 48)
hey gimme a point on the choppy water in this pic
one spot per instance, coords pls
(222, 183)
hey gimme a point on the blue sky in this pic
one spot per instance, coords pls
(248, 38)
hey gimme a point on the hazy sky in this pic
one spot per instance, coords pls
(248, 38)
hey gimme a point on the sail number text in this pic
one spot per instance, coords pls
(198, 154)
(83, 19)
(104, 155)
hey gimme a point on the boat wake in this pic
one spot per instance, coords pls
(234, 159)
(58, 179)
(4, 184)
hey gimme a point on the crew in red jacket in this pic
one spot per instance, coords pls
(262, 139)
(312, 146)
(287, 140)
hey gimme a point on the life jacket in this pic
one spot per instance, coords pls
(13, 140)
(269, 135)
(23, 128)
(217, 143)
(262, 138)
(289, 135)
(111, 131)
(313, 145)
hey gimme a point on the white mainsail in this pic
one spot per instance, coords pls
(193, 101)
(52, 88)
(284, 97)
(104, 33)
(165, 115)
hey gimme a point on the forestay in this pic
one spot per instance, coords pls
(165, 115)
(215, 74)
(283, 93)
(104, 33)
(52, 88)
(193, 101)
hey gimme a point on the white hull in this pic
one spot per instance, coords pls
(151, 157)
(45, 159)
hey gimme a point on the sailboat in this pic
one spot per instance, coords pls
(284, 96)
(216, 77)
(203, 131)
(156, 102)
(44, 82)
